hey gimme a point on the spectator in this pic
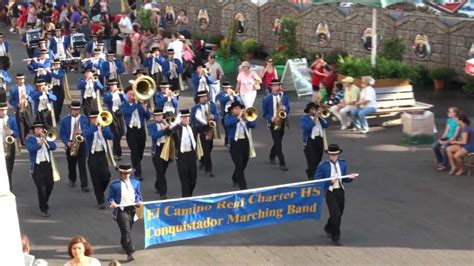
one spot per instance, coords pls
(330, 78)
(317, 71)
(351, 96)
(451, 132)
(80, 252)
(366, 105)
(247, 84)
(267, 74)
(85, 28)
(182, 22)
(337, 96)
(177, 46)
(136, 40)
(462, 147)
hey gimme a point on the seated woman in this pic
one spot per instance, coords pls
(451, 132)
(462, 147)
(366, 105)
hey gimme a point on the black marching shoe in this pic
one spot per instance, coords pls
(336, 243)
(45, 214)
(211, 174)
(101, 206)
(72, 184)
(283, 168)
(272, 161)
(164, 197)
(130, 257)
(85, 189)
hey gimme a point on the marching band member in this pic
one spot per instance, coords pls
(4, 78)
(91, 45)
(89, 87)
(136, 114)
(74, 51)
(225, 98)
(102, 49)
(201, 79)
(154, 62)
(29, 50)
(334, 190)
(39, 65)
(42, 170)
(59, 44)
(20, 99)
(96, 137)
(8, 127)
(94, 63)
(69, 130)
(314, 137)
(172, 69)
(240, 141)
(158, 132)
(43, 46)
(5, 54)
(165, 99)
(112, 68)
(114, 98)
(55, 77)
(272, 105)
(203, 113)
(43, 107)
(125, 190)
(185, 144)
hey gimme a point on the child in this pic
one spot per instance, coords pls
(451, 132)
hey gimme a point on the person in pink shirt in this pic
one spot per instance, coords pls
(247, 84)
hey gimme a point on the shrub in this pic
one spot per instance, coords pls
(468, 88)
(421, 75)
(393, 48)
(230, 45)
(332, 56)
(250, 46)
(144, 18)
(385, 68)
(442, 73)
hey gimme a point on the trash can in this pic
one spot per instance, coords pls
(418, 128)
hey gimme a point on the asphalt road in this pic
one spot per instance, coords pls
(399, 211)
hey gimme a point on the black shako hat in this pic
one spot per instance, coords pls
(333, 149)
(235, 104)
(125, 168)
(309, 106)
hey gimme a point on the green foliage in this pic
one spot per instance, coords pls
(198, 35)
(144, 18)
(287, 46)
(230, 45)
(393, 48)
(385, 68)
(421, 76)
(214, 38)
(468, 88)
(250, 46)
(332, 56)
(354, 67)
(442, 73)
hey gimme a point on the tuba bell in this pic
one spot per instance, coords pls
(144, 88)
(251, 114)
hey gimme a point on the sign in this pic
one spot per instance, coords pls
(298, 75)
(179, 219)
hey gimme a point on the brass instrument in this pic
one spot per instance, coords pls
(170, 117)
(9, 140)
(250, 114)
(51, 136)
(105, 119)
(77, 140)
(325, 113)
(280, 116)
(23, 102)
(144, 88)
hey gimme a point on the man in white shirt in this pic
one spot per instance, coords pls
(366, 105)
(177, 47)
(185, 141)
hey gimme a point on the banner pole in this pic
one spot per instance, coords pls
(240, 191)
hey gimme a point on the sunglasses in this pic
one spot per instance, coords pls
(269, 61)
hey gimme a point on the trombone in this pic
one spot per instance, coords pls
(250, 114)
(105, 119)
(144, 88)
(51, 135)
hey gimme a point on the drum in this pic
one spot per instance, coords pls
(120, 44)
(78, 40)
(32, 38)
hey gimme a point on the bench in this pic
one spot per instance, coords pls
(469, 164)
(394, 100)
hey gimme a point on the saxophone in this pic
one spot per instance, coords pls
(280, 116)
(23, 102)
(76, 140)
(9, 140)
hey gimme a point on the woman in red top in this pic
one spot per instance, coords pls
(267, 74)
(317, 71)
(127, 52)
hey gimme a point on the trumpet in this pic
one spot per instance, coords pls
(325, 113)
(250, 114)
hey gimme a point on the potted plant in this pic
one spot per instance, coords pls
(439, 76)
(287, 46)
(250, 47)
(230, 50)
(468, 88)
